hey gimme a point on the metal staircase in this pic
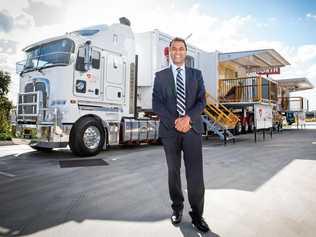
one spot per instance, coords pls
(218, 119)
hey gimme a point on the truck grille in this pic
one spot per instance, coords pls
(31, 101)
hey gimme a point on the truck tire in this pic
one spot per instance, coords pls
(42, 149)
(87, 137)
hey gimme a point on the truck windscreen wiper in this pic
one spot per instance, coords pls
(52, 65)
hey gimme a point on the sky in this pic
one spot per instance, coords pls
(288, 26)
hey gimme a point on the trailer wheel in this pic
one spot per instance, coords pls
(251, 127)
(238, 128)
(42, 149)
(87, 137)
(246, 127)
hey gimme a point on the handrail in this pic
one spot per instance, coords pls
(219, 113)
(247, 89)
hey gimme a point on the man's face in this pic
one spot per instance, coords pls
(178, 53)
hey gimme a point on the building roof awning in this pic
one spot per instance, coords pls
(256, 60)
(295, 84)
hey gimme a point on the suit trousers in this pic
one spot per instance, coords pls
(190, 144)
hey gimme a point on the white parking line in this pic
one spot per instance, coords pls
(18, 154)
(7, 174)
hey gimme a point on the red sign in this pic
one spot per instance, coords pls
(166, 51)
(273, 70)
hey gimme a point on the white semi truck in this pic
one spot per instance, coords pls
(92, 88)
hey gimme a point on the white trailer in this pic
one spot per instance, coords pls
(88, 87)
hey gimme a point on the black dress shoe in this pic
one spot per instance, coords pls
(201, 225)
(176, 217)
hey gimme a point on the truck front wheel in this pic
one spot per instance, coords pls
(87, 137)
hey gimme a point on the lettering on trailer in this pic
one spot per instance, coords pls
(269, 71)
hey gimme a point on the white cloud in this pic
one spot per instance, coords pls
(266, 22)
(55, 3)
(311, 16)
(14, 7)
(24, 21)
(306, 53)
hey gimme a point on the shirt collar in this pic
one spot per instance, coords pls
(174, 67)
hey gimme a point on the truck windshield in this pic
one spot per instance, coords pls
(50, 54)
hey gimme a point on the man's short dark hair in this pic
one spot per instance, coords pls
(179, 40)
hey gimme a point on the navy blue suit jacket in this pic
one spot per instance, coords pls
(164, 102)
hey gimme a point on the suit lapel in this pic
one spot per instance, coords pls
(187, 84)
(171, 81)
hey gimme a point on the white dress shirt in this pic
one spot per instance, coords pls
(175, 73)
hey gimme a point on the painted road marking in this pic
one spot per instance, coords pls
(7, 174)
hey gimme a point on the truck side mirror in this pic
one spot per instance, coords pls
(87, 55)
(80, 60)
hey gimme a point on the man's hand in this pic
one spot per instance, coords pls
(183, 124)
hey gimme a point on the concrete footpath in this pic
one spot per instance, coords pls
(258, 189)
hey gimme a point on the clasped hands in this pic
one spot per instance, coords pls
(183, 124)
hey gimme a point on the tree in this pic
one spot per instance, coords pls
(5, 106)
(5, 80)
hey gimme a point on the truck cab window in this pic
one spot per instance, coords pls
(80, 60)
(95, 59)
(54, 53)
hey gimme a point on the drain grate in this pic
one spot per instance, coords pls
(82, 163)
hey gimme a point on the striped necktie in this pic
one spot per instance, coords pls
(180, 93)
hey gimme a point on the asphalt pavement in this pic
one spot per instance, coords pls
(258, 189)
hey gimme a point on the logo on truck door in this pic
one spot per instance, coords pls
(81, 86)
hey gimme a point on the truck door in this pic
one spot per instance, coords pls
(114, 78)
(88, 84)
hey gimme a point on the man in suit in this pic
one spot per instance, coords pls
(179, 99)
